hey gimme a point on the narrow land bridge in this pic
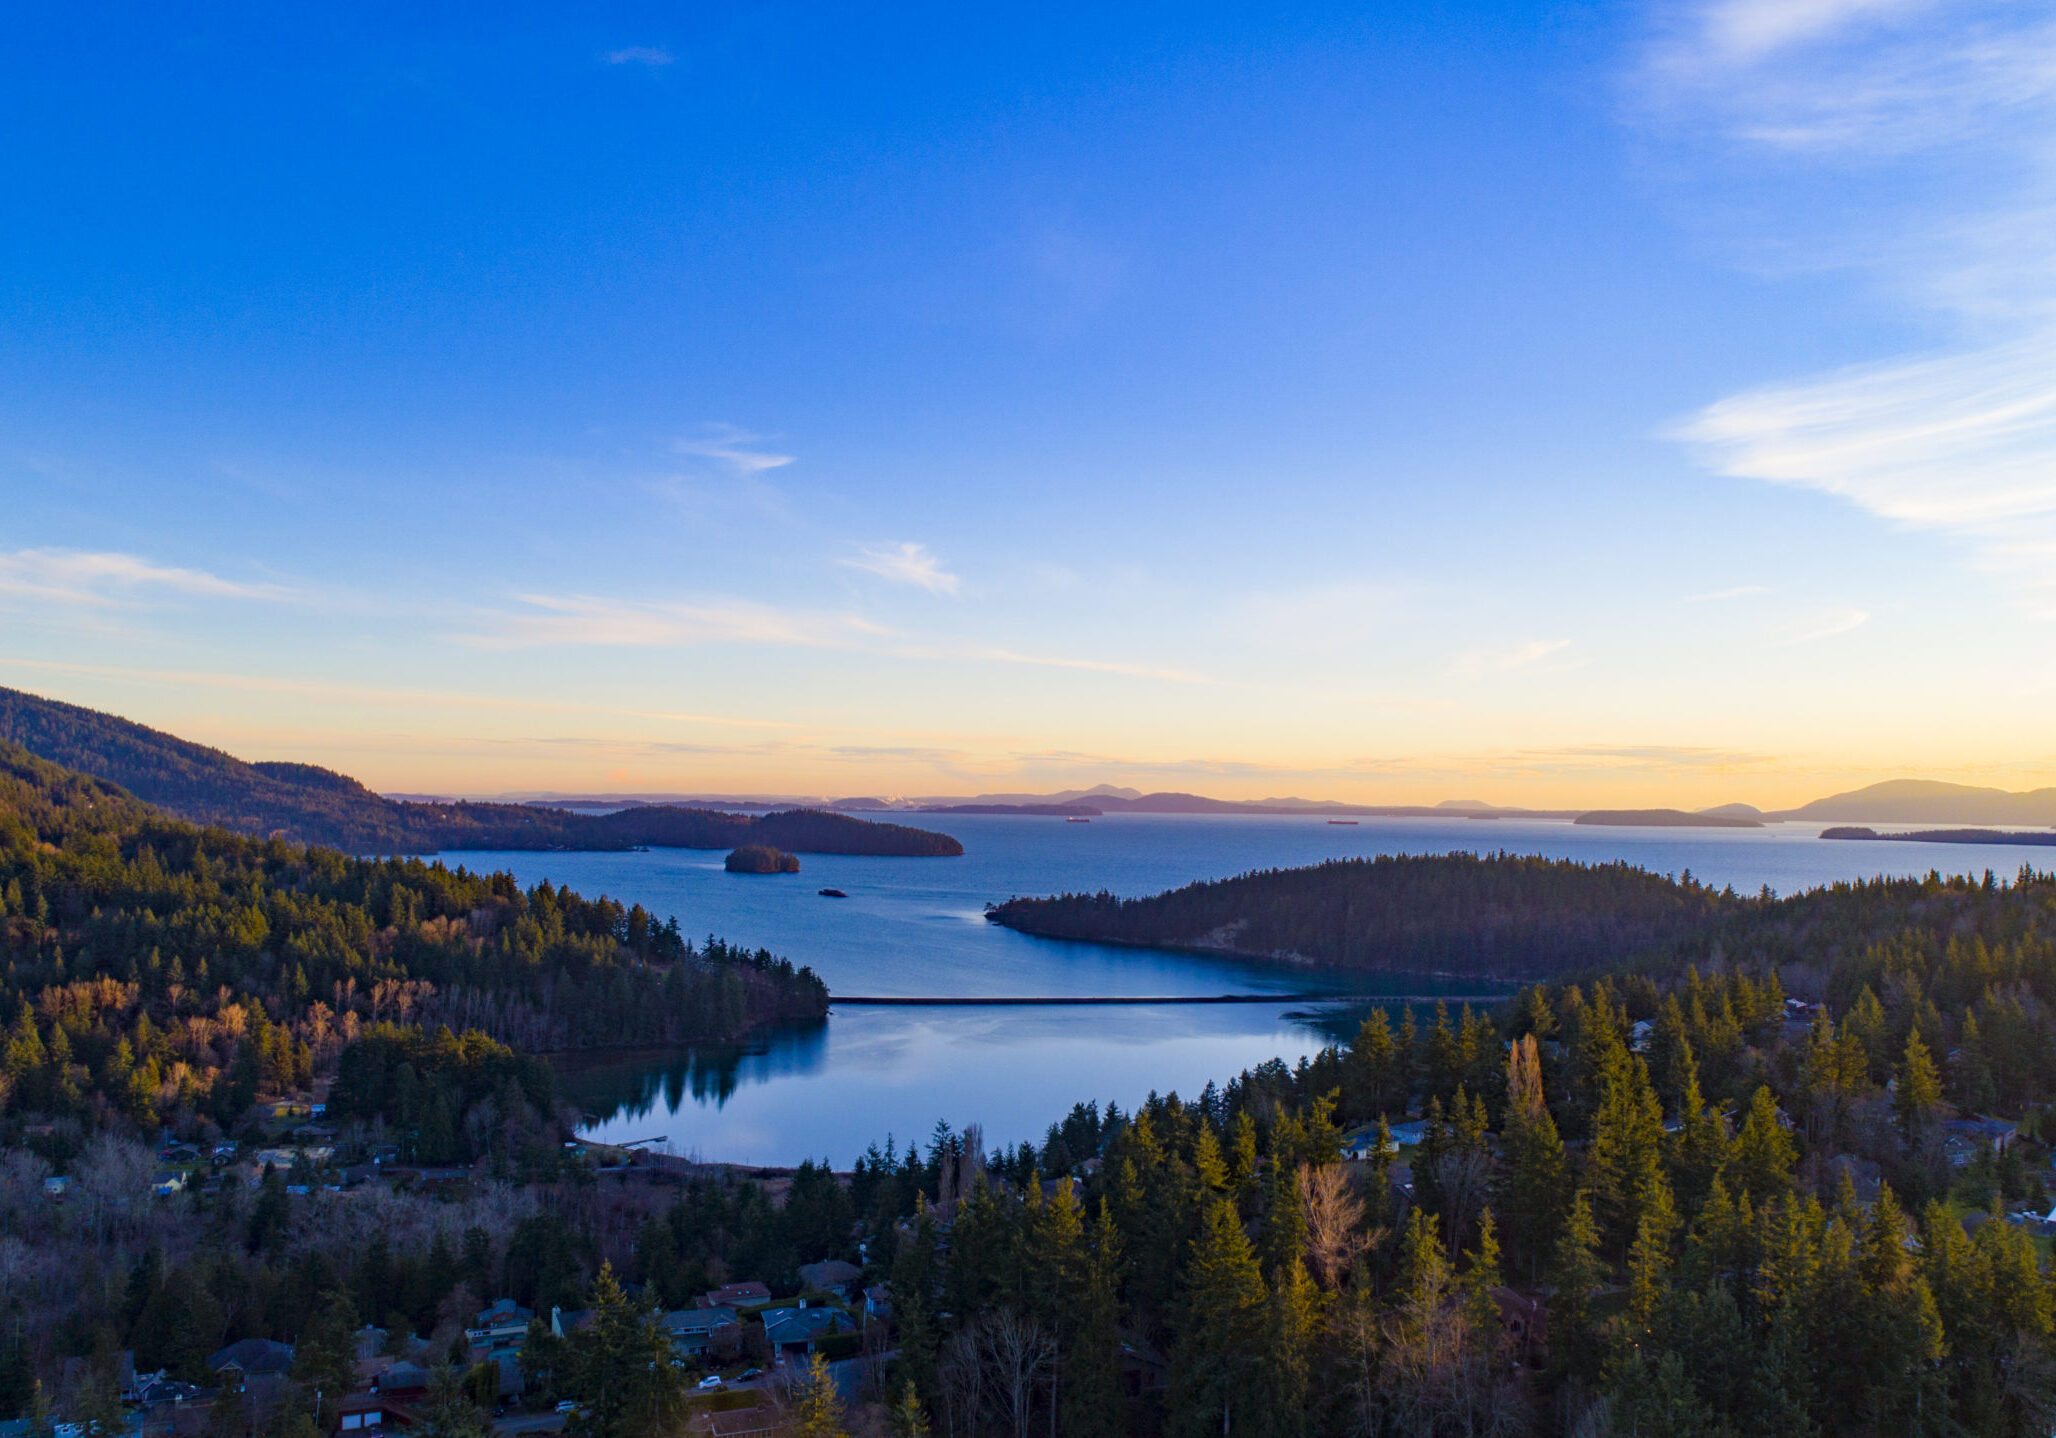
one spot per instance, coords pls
(971, 1001)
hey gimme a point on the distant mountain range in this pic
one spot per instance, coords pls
(313, 805)
(1896, 801)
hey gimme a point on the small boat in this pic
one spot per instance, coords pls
(1351, 822)
(831, 893)
(1077, 819)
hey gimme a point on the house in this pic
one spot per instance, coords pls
(403, 1381)
(372, 1411)
(692, 1330)
(1525, 1322)
(1364, 1146)
(793, 1332)
(736, 1295)
(1409, 1134)
(830, 1276)
(497, 1328)
(1962, 1138)
(1639, 1034)
(1143, 1369)
(566, 1321)
(168, 1182)
(253, 1358)
(55, 1186)
(878, 1301)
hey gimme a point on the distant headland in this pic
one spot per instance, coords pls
(308, 804)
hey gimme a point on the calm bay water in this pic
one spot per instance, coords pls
(916, 927)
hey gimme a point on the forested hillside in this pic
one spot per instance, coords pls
(309, 804)
(1674, 1202)
(159, 973)
(1502, 915)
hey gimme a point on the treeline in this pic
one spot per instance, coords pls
(1656, 1204)
(308, 804)
(1502, 914)
(159, 973)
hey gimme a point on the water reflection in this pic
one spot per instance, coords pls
(634, 1084)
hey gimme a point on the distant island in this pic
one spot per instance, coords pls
(1068, 811)
(1667, 819)
(761, 859)
(1925, 801)
(1946, 836)
(311, 805)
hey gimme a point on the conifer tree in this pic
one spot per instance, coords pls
(815, 1410)
(1918, 1093)
(1289, 1352)
(1090, 1400)
(1763, 1154)
(909, 1419)
(1220, 1331)
(1573, 1342)
(1534, 1189)
(1649, 1258)
(1624, 1162)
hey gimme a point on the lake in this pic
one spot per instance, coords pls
(916, 927)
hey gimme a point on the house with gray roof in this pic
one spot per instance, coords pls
(692, 1330)
(793, 1332)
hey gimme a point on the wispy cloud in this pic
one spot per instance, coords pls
(734, 448)
(1651, 756)
(1827, 624)
(648, 55)
(1739, 591)
(100, 579)
(585, 620)
(1941, 118)
(907, 563)
(988, 654)
(1492, 659)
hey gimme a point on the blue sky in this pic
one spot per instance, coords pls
(1545, 403)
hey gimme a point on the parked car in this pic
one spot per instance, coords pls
(748, 1373)
(710, 1382)
(567, 1406)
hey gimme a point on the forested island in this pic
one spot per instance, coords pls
(761, 859)
(1499, 916)
(1946, 836)
(1667, 819)
(309, 804)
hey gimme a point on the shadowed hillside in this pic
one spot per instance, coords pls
(309, 804)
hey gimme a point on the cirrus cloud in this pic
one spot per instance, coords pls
(907, 563)
(100, 579)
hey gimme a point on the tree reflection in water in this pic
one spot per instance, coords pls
(636, 1083)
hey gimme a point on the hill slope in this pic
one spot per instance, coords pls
(309, 804)
(1926, 801)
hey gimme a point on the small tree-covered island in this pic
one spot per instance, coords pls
(761, 859)
(283, 1156)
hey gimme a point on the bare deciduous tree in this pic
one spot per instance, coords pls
(1019, 1353)
(1334, 1222)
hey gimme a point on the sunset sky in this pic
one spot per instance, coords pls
(1535, 403)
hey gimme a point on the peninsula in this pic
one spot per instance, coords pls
(312, 805)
